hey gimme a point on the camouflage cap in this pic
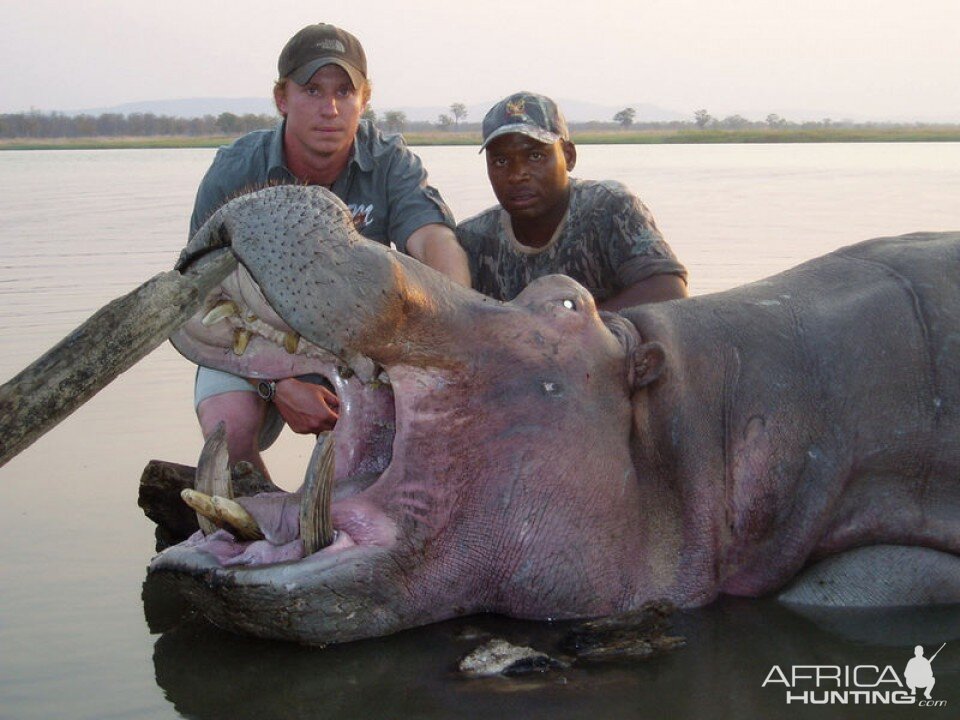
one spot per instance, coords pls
(318, 45)
(535, 116)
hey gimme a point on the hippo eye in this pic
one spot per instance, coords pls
(569, 304)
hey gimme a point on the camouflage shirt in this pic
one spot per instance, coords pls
(607, 241)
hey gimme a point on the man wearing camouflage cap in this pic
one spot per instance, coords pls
(321, 93)
(598, 233)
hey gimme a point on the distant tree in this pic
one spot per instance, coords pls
(227, 123)
(702, 118)
(444, 121)
(370, 114)
(734, 122)
(459, 111)
(395, 120)
(775, 121)
(625, 117)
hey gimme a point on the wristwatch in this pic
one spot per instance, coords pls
(266, 389)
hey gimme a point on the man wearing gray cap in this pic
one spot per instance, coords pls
(598, 233)
(321, 93)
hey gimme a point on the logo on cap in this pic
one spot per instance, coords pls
(331, 44)
(517, 108)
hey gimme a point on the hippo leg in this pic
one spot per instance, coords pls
(878, 576)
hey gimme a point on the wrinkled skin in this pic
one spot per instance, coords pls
(538, 459)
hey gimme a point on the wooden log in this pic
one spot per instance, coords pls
(107, 344)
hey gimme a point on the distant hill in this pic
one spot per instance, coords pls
(574, 110)
(188, 107)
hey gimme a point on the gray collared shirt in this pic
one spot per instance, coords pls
(384, 184)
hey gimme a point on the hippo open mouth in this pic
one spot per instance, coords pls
(397, 496)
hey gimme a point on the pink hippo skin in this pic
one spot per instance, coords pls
(543, 460)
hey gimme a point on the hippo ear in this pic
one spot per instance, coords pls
(648, 362)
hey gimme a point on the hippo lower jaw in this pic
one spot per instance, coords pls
(274, 588)
(313, 600)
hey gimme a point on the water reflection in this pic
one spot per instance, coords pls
(731, 647)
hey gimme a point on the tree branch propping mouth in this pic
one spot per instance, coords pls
(107, 344)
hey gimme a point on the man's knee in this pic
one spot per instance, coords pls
(243, 413)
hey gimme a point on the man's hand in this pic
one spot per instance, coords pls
(306, 407)
(436, 245)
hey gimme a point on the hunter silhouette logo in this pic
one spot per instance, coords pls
(857, 684)
(919, 672)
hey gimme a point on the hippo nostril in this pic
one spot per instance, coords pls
(569, 304)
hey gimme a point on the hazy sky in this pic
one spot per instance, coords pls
(863, 59)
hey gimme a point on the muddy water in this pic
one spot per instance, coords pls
(80, 636)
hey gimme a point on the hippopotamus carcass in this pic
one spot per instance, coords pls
(539, 459)
(543, 460)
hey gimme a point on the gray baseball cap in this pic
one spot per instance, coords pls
(527, 113)
(318, 45)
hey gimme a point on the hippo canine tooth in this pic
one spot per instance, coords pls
(225, 309)
(316, 527)
(213, 472)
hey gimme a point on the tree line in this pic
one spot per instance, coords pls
(59, 125)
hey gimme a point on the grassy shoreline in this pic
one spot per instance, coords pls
(631, 137)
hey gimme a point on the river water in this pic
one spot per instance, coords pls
(80, 635)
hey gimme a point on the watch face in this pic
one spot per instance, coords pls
(266, 389)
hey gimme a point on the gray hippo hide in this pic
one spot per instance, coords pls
(540, 459)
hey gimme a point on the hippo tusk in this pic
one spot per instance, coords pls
(213, 473)
(236, 517)
(202, 504)
(111, 341)
(223, 512)
(316, 527)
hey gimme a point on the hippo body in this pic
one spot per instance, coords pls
(540, 459)
(809, 414)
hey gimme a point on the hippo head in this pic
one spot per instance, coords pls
(482, 458)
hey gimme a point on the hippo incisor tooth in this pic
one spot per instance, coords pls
(225, 309)
(202, 504)
(290, 342)
(240, 341)
(213, 472)
(316, 527)
(223, 513)
(233, 514)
